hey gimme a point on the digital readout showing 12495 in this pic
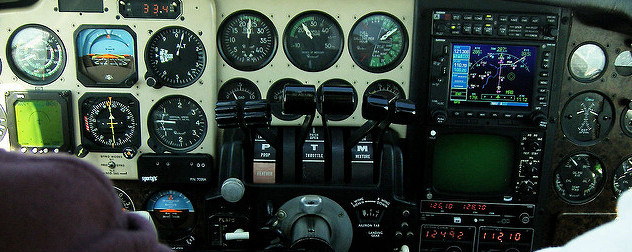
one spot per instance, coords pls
(160, 9)
(492, 75)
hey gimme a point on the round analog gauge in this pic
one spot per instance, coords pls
(387, 88)
(378, 42)
(3, 123)
(36, 54)
(579, 178)
(126, 201)
(178, 123)
(174, 214)
(175, 57)
(343, 112)
(623, 177)
(587, 118)
(313, 41)
(623, 63)
(247, 40)
(106, 56)
(587, 62)
(238, 89)
(110, 122)
(275, 96)
(626, 120)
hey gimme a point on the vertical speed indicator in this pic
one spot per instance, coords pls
(247, 40)
(175, 57)
(378, 42)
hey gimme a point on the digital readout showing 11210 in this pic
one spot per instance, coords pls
(492, 75)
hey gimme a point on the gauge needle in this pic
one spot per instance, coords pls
(388, 34)
(235, 95)
(180, 45)
(574, 162)
(307, 31)
(111, 123)
(249, 28)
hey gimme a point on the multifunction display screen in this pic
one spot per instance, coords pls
(492, 75)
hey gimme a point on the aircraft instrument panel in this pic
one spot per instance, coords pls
(403, 125)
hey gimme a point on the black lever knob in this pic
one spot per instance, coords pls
(227, 114)
(299, 99)
(336, 98)
(405, 112)
(375, 107)
(439, 116)
(257, 113)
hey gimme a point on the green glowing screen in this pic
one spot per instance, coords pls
(39, 123)
(472, 163)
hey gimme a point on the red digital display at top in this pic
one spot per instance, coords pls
(155, 9)
(160, 9)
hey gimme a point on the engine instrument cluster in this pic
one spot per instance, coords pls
(330, 125)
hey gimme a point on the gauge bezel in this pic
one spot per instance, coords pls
(134, 106)
(85, 80)
(605, 131)
(286, 34)
(614, 174)
(166, 232)
(394, 63)
(223, 87)
(390, 82)
(120, 193)
(24, 77)
(154, 139)
(264, 19)
(600, 186)
(150, 71)
(63, 97)
(584, 80)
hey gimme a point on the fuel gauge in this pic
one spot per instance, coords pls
(238, 89)
(386, 88)
(106, 56)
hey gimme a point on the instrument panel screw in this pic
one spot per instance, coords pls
(281, 214)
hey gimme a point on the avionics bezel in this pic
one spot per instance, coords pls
(62, 97)
(512, 195)
(440, 79)
(129, 81)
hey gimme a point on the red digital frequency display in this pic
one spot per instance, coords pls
(458, 207)
(505, 235)
(160, 9)
(447, 233)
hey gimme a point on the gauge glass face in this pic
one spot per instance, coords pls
(238, 89)
(378, 42)
(126, 201)
(172, 210)
(3, 123)
(623, 63)
(36, 54)
(175, 57)
(110, 122)
(313, 41)
(587, 62)
(178, 122)
(587, 118)
(275, 96)
(106, 57)
(623, 177)
(386, 88)
(247, 40)
(579, 178)
(626, 121)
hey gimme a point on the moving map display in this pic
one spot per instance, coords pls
(492, 75)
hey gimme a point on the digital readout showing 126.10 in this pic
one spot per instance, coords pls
(492, 75)
(457, 207)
